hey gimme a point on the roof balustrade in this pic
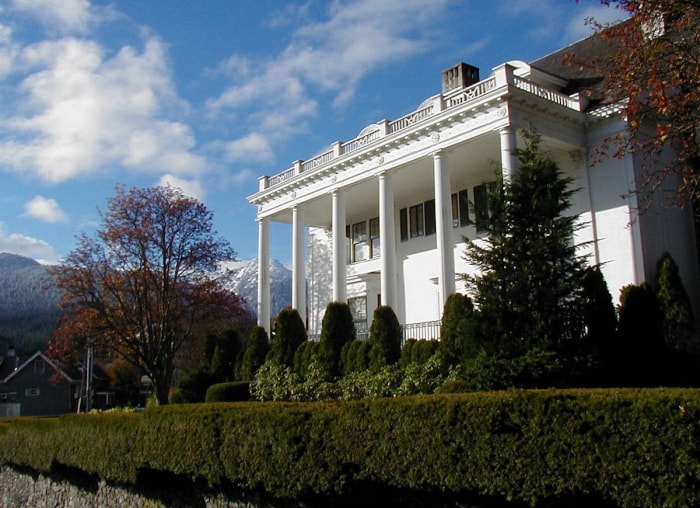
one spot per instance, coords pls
(503, 76)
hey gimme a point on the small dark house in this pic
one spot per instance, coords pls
(35, 387)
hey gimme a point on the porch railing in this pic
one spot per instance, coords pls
(427, 330)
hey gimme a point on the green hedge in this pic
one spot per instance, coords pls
(629, 447)
(237, 391)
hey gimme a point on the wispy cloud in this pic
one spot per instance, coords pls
(191, 188)
(578, 27)
(45, 209)
(253, 148)
(27, 246)
(64, 16)
(330, 56)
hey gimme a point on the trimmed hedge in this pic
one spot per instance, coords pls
(628, 447)
(238, 391)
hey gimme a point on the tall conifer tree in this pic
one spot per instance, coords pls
(528, 290)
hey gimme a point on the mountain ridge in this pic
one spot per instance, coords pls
(29, 298)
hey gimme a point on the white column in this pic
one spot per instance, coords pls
(339, 268)
(387, 241)
(298, 263)
(509, 161)
(443, 227)
(264, 274)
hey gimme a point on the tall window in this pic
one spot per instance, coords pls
(460, 209)
(403, 223)
(374, 245)
(360, 247)
(363, 246)
(415, 221)
(429, 207)
(358, 310)
(481, 206)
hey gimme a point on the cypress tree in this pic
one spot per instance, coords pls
(456, 335)
(641, 335)
(337, 329)
(223, 359)
(255, 353)
(289, 334)
(674, 303)
(385, 337)
(529, 282)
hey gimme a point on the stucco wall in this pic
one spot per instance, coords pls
(24, 489)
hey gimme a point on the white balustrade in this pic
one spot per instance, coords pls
(546, 93)
(469, 94)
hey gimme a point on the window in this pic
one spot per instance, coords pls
(374, 244)
(481, 206)
(415, 221)
(460, 209)
(39, 366)
(429, 217)
(31, 392)
(358, 309)
(360, 247)
(348, 246)
(403, 223)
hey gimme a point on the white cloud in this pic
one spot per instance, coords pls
(333, 56)
(27, 246)
(253, 148)
(84, 111)
(191, 188)
(45, 209)
(65, 16)
(578, 28)
(242, 176)
(8, 50)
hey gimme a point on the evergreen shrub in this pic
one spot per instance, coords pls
(305, 355)
(238, 391)
(622, 447)
(456, 334)
(256, 351)
(354, 357)
(385, 337)
(290, 333)
(677, 312)
(337, 329)
(417, 351)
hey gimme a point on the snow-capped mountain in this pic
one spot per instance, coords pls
(244, 282)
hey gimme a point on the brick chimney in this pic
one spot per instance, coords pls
(459, 76)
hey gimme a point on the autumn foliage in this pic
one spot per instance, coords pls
(145, 284)
(654, 78)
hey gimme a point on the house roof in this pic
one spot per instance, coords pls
(583, 72)
(30, 360)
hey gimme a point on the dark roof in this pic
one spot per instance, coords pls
(14, 371)
(582, 70)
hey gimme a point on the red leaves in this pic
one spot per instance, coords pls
(146, 283)
(656, 76)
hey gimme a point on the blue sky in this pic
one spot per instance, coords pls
(207, 95)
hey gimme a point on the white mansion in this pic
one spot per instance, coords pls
(381, 218)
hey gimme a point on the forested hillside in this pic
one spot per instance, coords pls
(28, 303)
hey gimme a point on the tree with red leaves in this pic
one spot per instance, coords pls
(146, 283)
(654, 78)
